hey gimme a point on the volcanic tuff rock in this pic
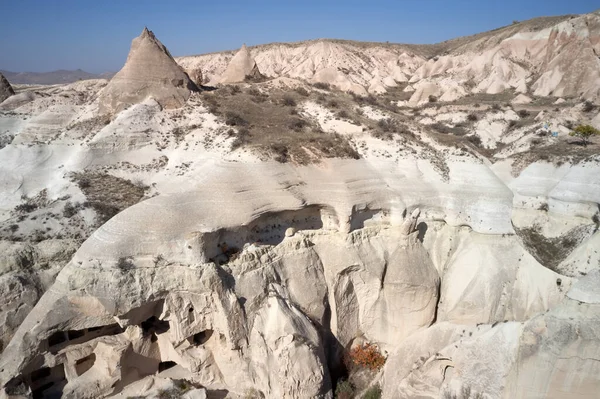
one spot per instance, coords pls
(241, 67)
(149, 71)
(555, 56)
(6, 89)
(462, 243)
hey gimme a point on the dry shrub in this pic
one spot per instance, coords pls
(288, 101)
(365, 356)
(234, 119)
(322, 86)
(302, 91)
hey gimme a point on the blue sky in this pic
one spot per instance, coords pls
(45, 35)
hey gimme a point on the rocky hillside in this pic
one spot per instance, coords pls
(553, 56)
(288, 235)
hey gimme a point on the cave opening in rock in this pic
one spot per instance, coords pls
(200, 338)
(47, 382)
(84, 364)
(61, 339)
(154, 325)
(162, 366)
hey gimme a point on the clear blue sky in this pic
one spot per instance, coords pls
(95, 35)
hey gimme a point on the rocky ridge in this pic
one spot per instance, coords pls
(545, 56)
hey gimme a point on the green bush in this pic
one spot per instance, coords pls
(585, 132)
(373, 393)
(344, 390)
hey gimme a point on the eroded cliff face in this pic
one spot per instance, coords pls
(240, 242)
(266, 297)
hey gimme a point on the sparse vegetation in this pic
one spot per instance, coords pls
(321, 86)
(29, 205)
(302, 91)
(457, 130)
(343, 114)
(475, 140)
(125, 264)
(548, 251)
(433, 99)
(584, 133)
(107, 194)
(588, 106)
(234, 89)
(268, 123)
(373, 392)
(234, 119)
(288, 101)
(241, 138)
(71, 210)
(344, 390)
(523, 113)
(472, 117)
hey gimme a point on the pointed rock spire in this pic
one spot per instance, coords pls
(6, 89)
(241, 67)
(150, 71)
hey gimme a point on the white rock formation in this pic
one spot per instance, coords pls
(241, 67)
(560, 53)
(473, 266)
(149, 71)
(424, 93)
(521, 99)
(336, 78)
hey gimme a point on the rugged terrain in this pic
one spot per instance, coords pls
(320, 219)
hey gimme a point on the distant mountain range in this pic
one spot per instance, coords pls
(54, 77)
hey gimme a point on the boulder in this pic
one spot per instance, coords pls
(196, 76)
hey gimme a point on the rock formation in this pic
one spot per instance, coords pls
(6, 89)
(196, 76)
(171, 253)
(242, 67)
(554, 56)
(149, 71)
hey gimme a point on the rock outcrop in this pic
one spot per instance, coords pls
(164, 253)
(150, 71)
(196, 76)
(6, 89)
(551, 56)
(242, 67)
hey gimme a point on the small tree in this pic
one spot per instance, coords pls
(584, 132)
